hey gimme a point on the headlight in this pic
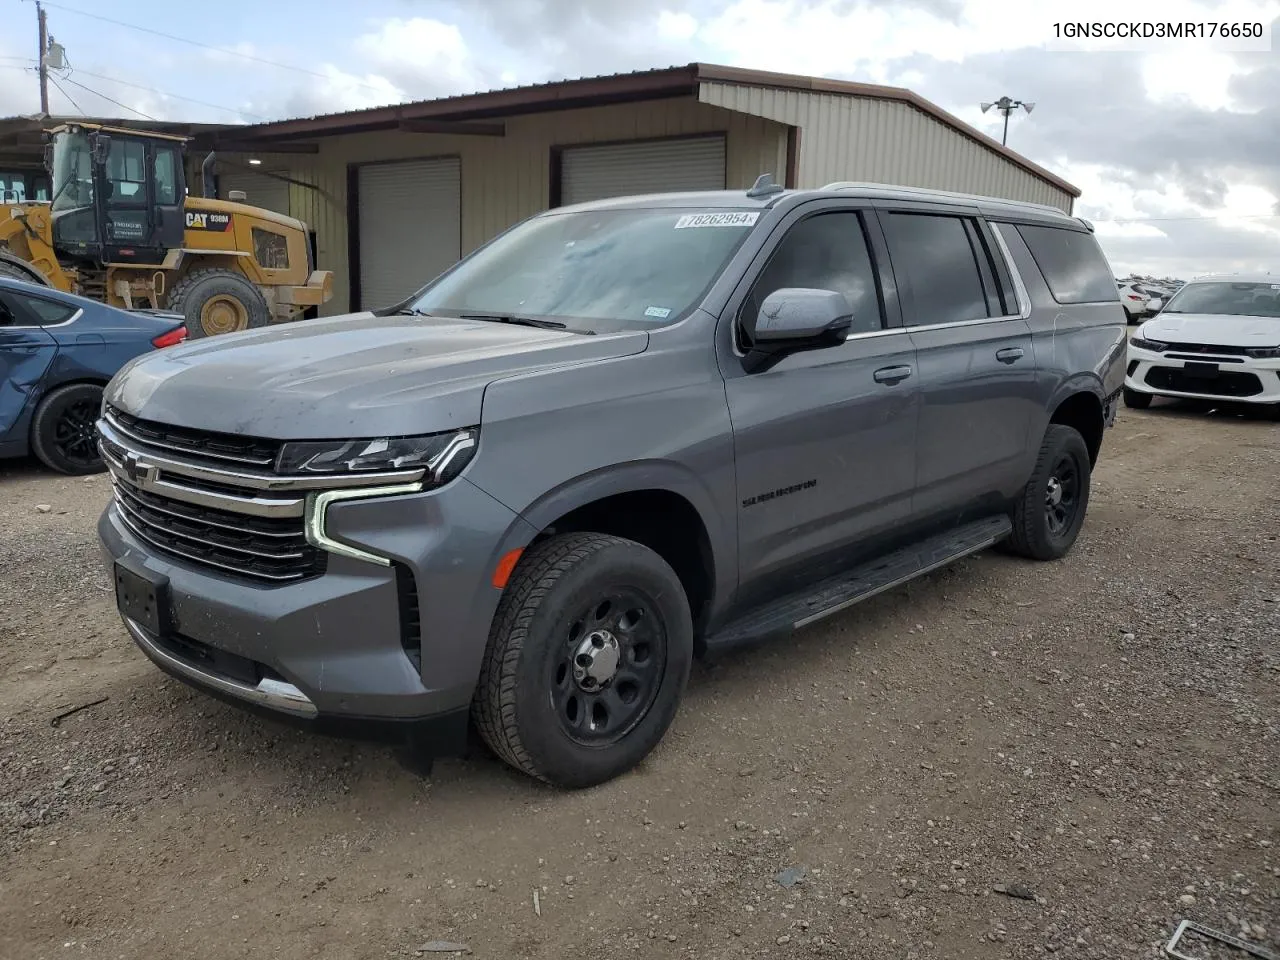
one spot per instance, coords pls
(442, 455)
(1264, 353)
(1155, 346)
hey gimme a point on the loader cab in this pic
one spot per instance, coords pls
(117, 194)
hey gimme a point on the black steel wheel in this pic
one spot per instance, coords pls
(63, 433)
(1050, 511)
(587, 659)
(610, 667)
(1062, 495)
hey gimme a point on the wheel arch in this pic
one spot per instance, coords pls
(1079, 405)
(662, 505)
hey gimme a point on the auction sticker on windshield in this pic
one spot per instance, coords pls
(747, 219)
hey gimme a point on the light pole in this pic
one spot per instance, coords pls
(1007, 106)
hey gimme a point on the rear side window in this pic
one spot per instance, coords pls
(936, 256)
(1072, 264)
(47, 312)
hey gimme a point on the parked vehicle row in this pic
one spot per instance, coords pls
(57, 352)
(619, 434)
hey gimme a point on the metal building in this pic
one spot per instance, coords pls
(396, 194)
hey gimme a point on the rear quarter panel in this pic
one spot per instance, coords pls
(1078, 347)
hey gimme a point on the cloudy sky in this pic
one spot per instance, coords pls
(1176, 147)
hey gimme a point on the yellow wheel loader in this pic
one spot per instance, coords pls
(120, 228)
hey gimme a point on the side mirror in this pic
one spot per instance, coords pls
(101, 147)
(1155, 305)
(794, 319)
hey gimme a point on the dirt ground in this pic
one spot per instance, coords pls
(1099, 733)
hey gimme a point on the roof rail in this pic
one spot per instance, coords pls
(928, 192)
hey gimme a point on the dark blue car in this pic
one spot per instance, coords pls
(57, 352)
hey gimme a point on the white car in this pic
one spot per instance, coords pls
(1135, 302)
(1217, 338)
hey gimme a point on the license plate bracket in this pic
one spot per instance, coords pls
(143, 599)
(1201, 371)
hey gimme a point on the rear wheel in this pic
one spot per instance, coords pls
(1136, 399)
(63, 435)
(1050, 511)
(587, 660)
(216, 301)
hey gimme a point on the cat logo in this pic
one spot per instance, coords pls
(218, 222)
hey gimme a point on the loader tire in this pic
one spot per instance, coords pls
(16, 271)
(215, 301)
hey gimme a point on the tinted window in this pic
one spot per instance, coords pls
(827, 252)
(934, 255)
(45, 311)
(126, 161)
(1072, 264)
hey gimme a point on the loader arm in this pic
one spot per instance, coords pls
(25, 235)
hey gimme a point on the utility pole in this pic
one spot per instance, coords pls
(44, 49)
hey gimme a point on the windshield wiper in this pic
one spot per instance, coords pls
(517, 320)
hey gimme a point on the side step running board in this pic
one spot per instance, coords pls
(842, 591)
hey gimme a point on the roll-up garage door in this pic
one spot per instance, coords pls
(658, 166)
(261, 190)
(410, 224)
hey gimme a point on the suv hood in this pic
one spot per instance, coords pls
(357, 375)
(1221, 330)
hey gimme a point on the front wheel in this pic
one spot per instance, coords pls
(587, 660)
(1050, 510)
(1136, 399)
(63, 430)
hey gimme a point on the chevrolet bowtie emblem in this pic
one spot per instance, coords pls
(138, 470)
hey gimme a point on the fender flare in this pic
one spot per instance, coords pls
(634, 477)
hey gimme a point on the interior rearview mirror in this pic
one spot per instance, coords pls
(794, 319)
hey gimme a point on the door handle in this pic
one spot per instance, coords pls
(892, 375)
(1010, 354)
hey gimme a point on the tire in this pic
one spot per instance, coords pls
(62, 430)
(559, 591)
(14, 272)
(1136, 400)
(1040, 531)
(215, 301)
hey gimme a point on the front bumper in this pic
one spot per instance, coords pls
(329, 652)
(1239, 380)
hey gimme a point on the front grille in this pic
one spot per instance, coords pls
(1225, 384)
(272, 549)
(1208, 349)
(198, 446)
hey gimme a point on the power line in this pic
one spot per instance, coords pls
(54, 81)
(109, 100)
(165, 93)
(196, 43)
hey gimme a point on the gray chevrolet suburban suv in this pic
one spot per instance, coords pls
(617, 436)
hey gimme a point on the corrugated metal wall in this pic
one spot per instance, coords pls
(505, 179)
(883, 141)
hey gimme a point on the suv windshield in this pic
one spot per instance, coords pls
(1228, 299)
(595, 269)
